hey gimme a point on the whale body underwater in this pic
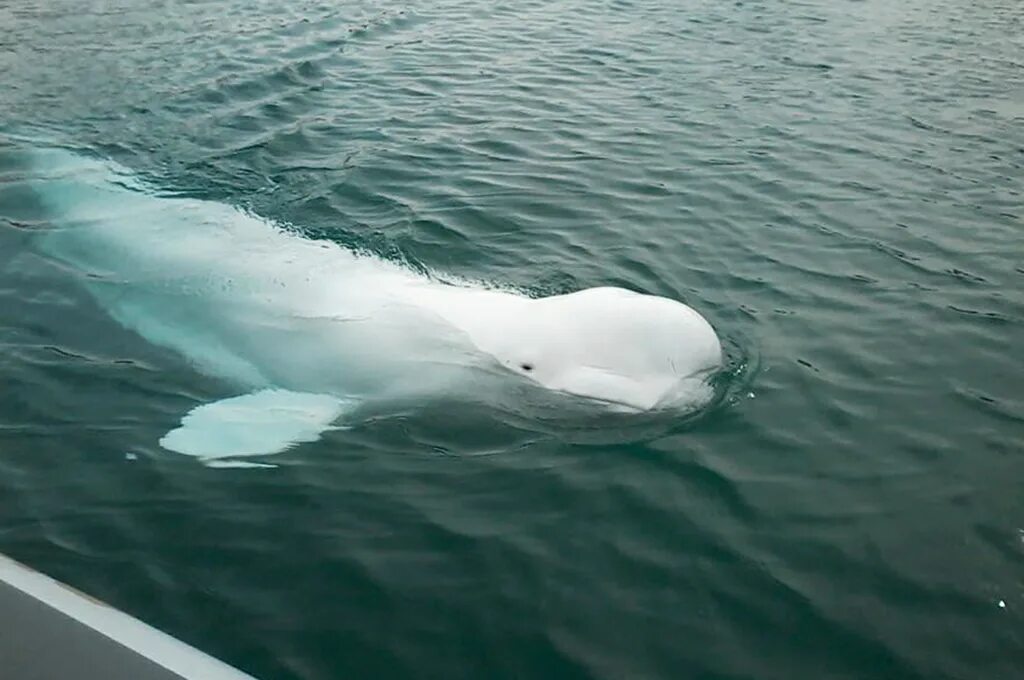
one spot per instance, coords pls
(306, 333)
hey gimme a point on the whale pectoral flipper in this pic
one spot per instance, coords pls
(255, 424)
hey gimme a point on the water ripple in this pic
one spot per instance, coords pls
(834, 185)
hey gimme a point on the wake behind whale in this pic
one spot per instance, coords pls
(306, 333)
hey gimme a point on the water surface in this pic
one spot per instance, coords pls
(836, 186)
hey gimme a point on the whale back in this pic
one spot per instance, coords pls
(241, 298)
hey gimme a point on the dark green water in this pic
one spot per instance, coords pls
(835, 185)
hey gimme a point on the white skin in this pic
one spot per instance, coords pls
(263, 308)
(608, 344)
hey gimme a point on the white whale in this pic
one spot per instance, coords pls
(306, 331)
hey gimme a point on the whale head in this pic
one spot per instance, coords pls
(630, 351)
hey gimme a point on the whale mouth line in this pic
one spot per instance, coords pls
(617, 405)
(672, 398)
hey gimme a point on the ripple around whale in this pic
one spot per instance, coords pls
(836, 185)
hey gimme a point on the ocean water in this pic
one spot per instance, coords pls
(836, 186)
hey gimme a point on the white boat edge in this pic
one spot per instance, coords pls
(97, 619)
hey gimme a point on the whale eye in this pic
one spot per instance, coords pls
(526, 367)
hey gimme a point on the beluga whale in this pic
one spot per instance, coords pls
(306, 334)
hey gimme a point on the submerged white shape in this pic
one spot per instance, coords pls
(307, 329)
(236, 464)
(261, 423)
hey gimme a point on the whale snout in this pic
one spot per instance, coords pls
(637, 352)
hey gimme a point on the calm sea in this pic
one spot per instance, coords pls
(835, 185)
